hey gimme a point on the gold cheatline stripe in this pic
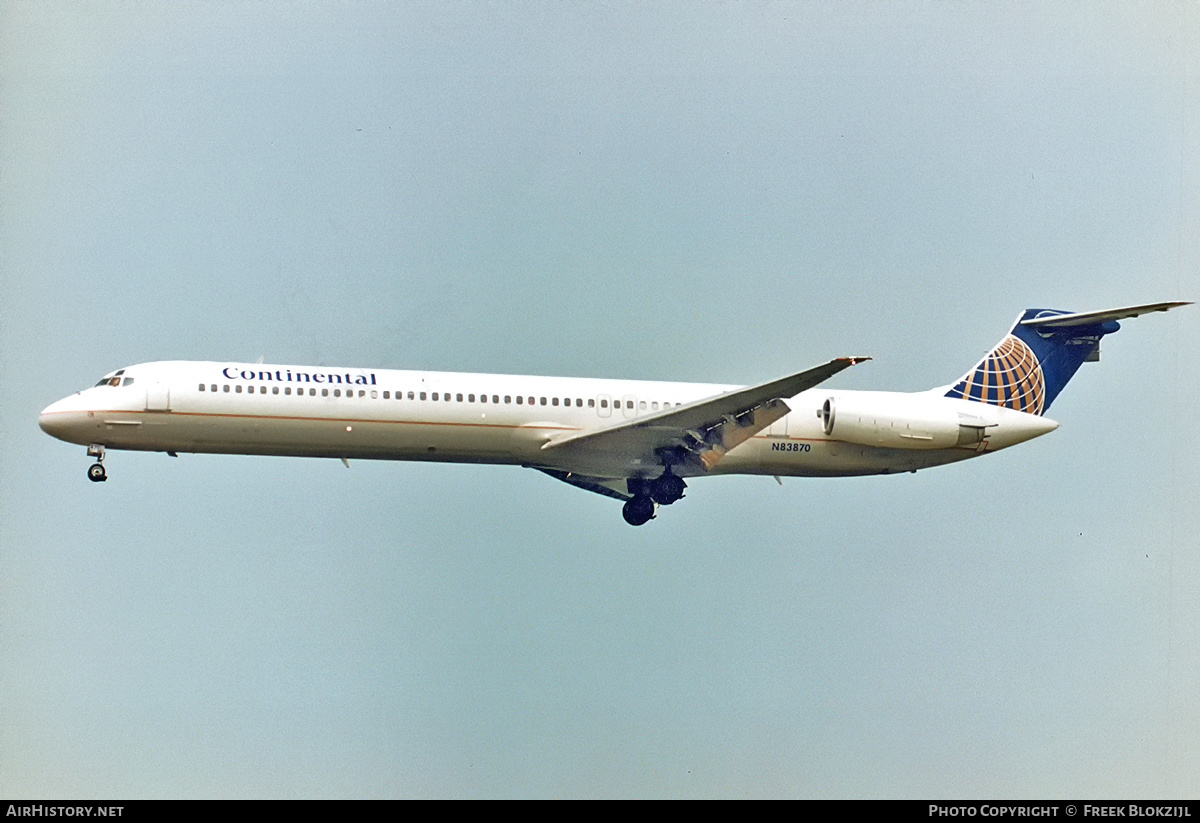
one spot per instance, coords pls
(311, 419)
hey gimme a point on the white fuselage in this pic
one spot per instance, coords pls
(234, 408)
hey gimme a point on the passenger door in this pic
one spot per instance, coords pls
(158, 396)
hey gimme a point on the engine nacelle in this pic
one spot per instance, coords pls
(900, 422)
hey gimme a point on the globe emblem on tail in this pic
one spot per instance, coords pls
(1009, 376)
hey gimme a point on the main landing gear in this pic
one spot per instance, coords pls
(638, 510)
(662, 491)
(96, 471)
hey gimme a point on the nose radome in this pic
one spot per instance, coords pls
(53, 420)
(46, 419)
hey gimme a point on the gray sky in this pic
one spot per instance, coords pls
(721, 192)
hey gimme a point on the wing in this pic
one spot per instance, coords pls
(606, 486)
(695, 435)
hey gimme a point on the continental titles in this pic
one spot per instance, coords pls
(289, 376)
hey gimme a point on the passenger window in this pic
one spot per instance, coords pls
(458, 397)
(591, 403)
(324, 392)
(520, 400)
(604, 404)
(201, 387)
(470, 398)
(553, 401)
(213, 387)
(287, 389)
(496, 398)
(543, 401)
(238, 389)
(274, 390)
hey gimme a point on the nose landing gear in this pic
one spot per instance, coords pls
(96, 472)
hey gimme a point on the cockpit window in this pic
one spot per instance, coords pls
(128, 381)
(114, 379)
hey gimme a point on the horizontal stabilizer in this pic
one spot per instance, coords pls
(1092, 318)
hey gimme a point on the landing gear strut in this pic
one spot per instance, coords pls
(96, 471)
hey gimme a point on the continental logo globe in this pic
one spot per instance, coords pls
(1010, 376)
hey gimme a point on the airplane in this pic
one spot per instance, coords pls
(636, 441)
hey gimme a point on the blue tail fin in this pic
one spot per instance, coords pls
(1028, 368)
